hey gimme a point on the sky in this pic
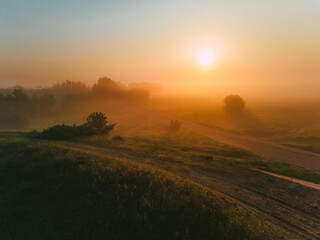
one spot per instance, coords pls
(261, 48)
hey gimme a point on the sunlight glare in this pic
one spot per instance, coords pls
(205, 57)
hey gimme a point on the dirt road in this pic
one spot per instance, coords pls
(267, 150)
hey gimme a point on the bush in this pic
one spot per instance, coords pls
(96, 125)
(174, 126)
(65, 132)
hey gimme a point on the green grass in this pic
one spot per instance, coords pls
(202, 153)
(307, 147)
(289, 170)
(50, 192)
(305, 141)
(14, 134)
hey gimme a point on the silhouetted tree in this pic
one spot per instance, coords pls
(17, 108)
(20, 95)
(68, 87)
(105, 85)
(98, 121)
(233, 104)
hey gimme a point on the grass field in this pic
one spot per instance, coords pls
(51, 192)
(294, 124)
(201, 152)
(305, 141)
(145, 182)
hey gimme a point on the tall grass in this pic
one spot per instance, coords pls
(201, 152)
(49, 192)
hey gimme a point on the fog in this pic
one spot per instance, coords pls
(68, 101)
(155, 118)
(262, 49)
(20, 107)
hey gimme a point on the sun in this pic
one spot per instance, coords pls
(205, 57)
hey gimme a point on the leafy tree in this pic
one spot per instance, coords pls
(99, 123)
(20, 95)
(68, 87)
(233, 104)
(106, 85)
(97, 120)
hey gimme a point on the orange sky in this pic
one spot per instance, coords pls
(262, 48)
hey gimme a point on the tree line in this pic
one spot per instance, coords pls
(19, 106)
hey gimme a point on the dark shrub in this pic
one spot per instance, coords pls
(96, 125)
(64, 132)
(174, 126)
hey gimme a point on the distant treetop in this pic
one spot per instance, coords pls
(233, 104)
